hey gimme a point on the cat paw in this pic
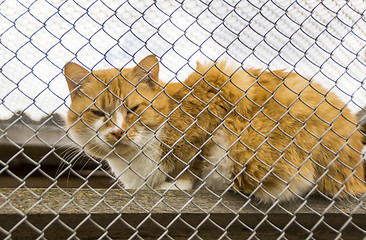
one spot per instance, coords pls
(178, 185)
(167, 185)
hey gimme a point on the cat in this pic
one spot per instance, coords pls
(361, 116)
(271, 135)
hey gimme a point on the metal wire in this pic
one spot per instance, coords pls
(321, 41)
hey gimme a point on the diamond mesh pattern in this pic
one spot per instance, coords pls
(44, 179)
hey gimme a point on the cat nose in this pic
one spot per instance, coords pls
(117, 133)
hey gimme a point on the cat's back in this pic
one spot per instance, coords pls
(249, 91)
(280, 92)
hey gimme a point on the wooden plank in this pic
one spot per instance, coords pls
(59, 213)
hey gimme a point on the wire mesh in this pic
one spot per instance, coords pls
(47, 176)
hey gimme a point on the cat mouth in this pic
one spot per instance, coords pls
(121, 143)
(126, 143)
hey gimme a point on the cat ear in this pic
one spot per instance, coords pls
(74, 75)
(147, 70)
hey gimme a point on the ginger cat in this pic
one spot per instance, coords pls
(272, 135)
(361, 115)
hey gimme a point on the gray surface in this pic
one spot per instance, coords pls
(20, 130)
(146, 213)
(103, 201)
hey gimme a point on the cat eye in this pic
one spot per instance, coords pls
(98, 113)
(131, 110)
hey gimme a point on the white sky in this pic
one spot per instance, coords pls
(325, 41)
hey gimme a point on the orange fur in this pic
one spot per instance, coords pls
(274, 134)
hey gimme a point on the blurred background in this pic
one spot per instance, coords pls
(323, 40)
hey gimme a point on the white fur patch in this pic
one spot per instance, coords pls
(139, 167)
(98, 124)
(119, 119)
(180, 184)
(184, 184)
(218, 174)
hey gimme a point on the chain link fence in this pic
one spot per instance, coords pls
(52, 187)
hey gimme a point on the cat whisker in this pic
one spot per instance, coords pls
(78, 155)
(68, 155)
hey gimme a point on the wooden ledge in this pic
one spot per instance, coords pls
(89, 213)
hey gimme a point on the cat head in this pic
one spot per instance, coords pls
(115, 110)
